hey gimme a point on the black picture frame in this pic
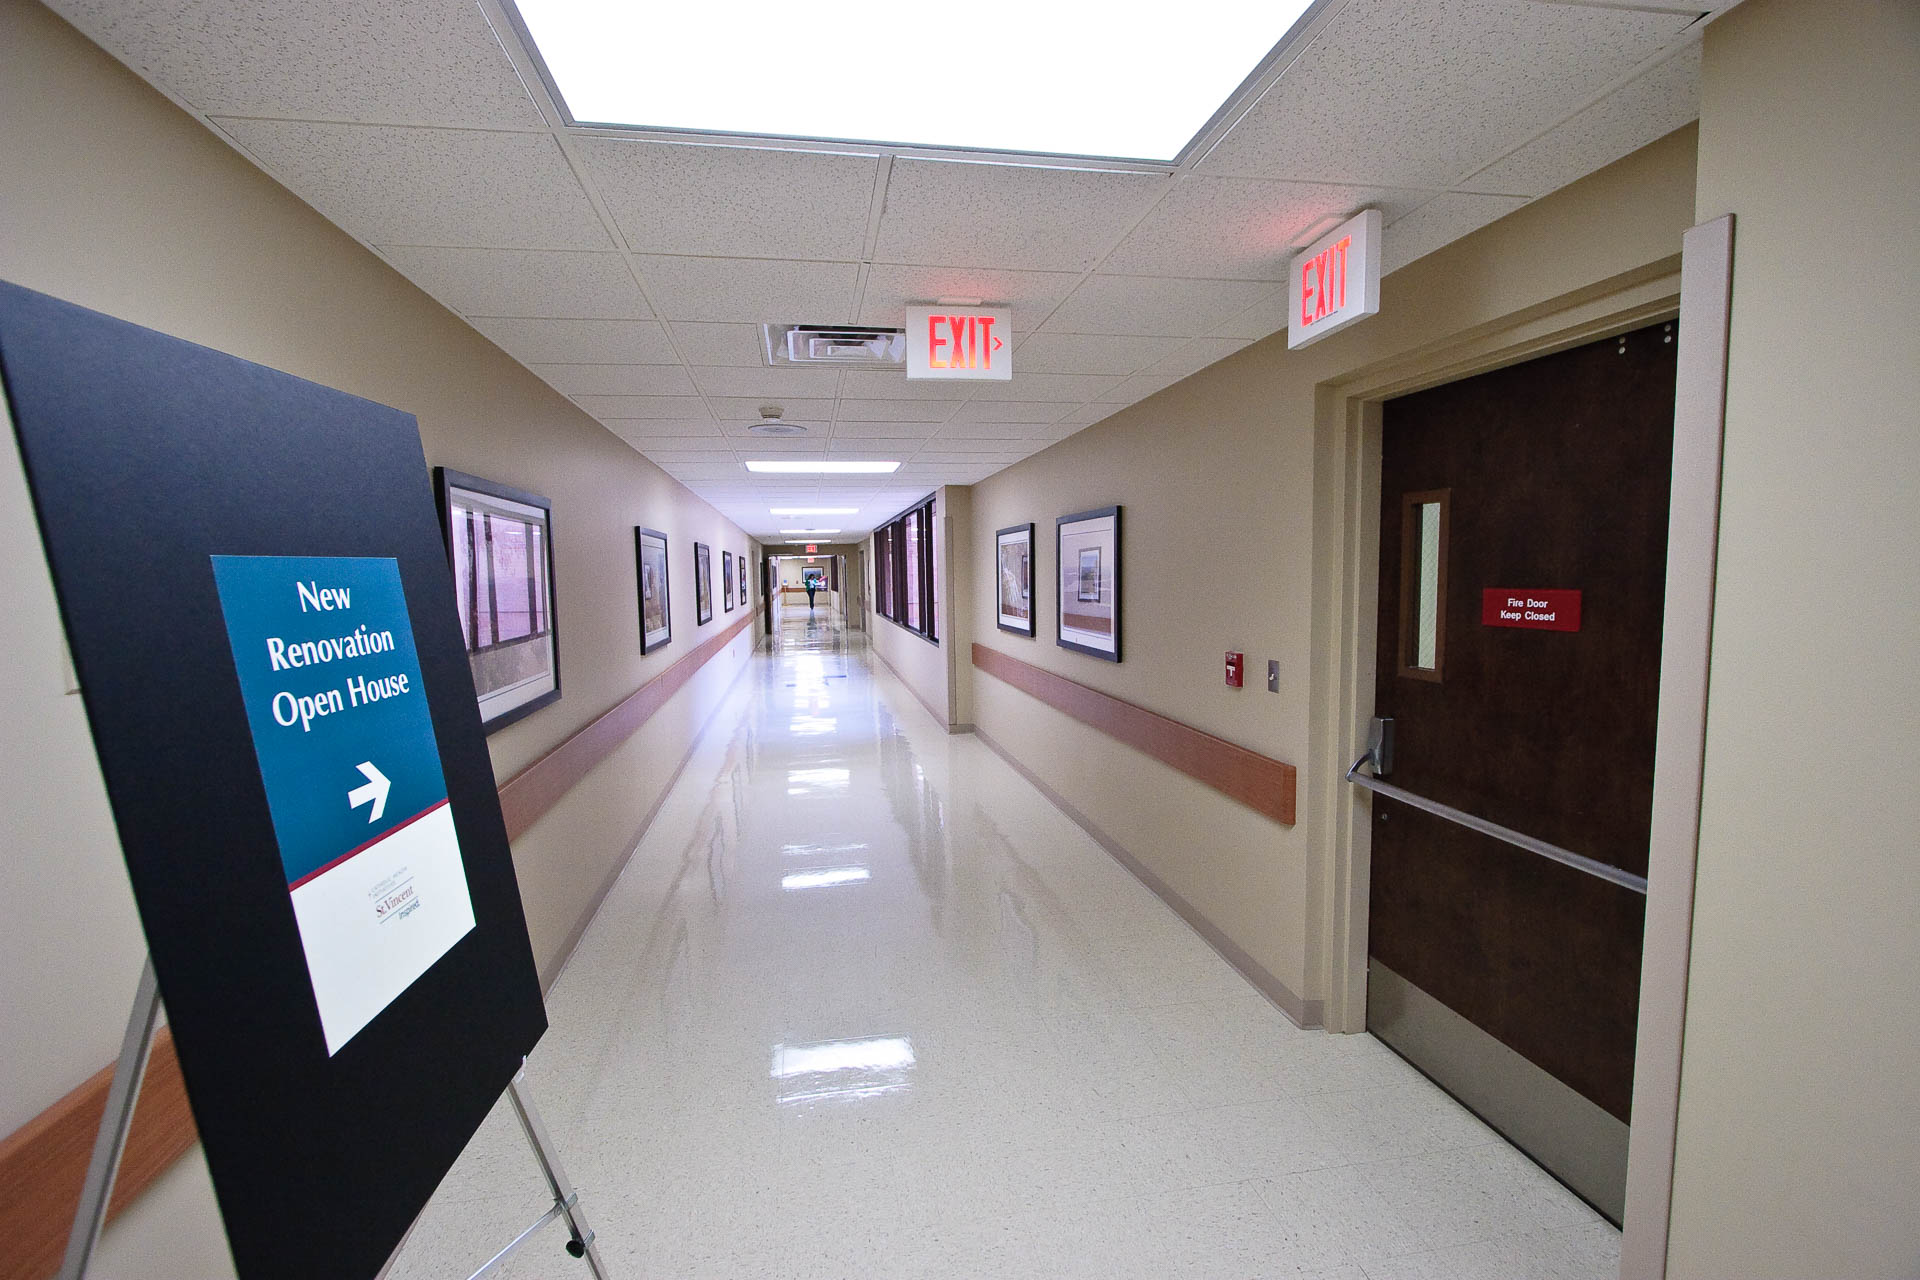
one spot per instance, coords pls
(1094, 632)
(726, 580)
(702, 584)
(1018, 536)
(503, 697)
(652, 585)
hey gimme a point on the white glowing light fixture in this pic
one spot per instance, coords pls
(1132, 81)
(814, 531)
(825, 879)
(812, 511)
(785, 468)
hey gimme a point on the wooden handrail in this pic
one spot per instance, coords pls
(44, 1162)
(1261, 783)
(528, 795)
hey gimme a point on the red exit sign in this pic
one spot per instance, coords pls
(1531, 609)
(1336, 281)
(960, 342)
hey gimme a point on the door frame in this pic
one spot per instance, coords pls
(1347, 447)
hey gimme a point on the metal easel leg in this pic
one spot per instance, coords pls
(566, 1200)
(90, 1215)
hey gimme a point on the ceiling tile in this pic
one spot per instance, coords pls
(1267, 315)
(896, 410)
(888, 384)
(581, 342)
(651, 428)
(875, 450)
(1139, 387)
(883, 429)
(1195, 356)
(1002, 431)
(720, 344)
(1440, 221)
(770, 445)
(429, 186)
(741, 202)
(736, 413)
(610, 407)
(700, 470)
(1086, 353)
(1022, 411)
(1069, 388)
(1152, 305)
(677, 457)
(1031, 294)
(1416, 93)
(1086, 415)
(964, 445)
(1231, 228)
(750, 290)
(764, 382)
(1013, 217)
(582, 380)
(541, 283)
(370, 61)
(1652, 106)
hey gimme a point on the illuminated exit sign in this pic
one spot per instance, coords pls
(1336, 281)
(960, 342)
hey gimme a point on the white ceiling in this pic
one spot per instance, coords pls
(632, 270)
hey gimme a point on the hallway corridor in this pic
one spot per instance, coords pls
(864, 1003)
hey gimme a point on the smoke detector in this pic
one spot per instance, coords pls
(845, 346)
(771, 424)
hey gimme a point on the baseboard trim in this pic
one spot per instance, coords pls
(1306, 1014)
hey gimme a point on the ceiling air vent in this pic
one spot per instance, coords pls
(770, 424)
(845, 346)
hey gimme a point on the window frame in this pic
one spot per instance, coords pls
(890, 543)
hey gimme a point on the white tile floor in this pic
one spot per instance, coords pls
(865, 1004)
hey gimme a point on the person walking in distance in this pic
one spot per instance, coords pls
(813, 585)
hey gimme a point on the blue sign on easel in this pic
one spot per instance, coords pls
(324, 650)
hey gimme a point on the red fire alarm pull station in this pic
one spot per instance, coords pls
(1236, 669)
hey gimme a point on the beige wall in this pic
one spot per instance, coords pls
(1798, 1149)
(1235, 531)
(116, 200)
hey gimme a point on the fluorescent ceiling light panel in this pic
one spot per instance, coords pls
(809, 531)
(812, 511)
(784, 468)
(1056, 77)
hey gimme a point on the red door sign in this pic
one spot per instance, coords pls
(1530, 609)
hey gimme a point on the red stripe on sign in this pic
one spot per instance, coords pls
(350, 854)
(1530, 608)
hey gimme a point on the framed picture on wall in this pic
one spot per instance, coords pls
(742, 562)
(726, 579)
(656, 618)
(500, 542)
(702, 584)
(1088, 546)
(1014, 560)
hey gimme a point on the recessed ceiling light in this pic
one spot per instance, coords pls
(784, 468)
(812, 511)
(809, 531)
(1139, 87)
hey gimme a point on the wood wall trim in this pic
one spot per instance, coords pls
(528, 795)
(1262, 784)
(44, 1163)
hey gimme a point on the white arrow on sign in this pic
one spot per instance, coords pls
(378, 784)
